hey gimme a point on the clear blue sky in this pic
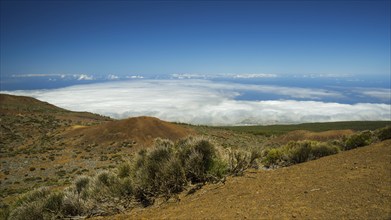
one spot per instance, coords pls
(156, 37)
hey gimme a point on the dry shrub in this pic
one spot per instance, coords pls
(29, 211)
(383, 133)
(297, 152)
(359, 140)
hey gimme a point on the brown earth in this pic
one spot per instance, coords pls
(354, 184)
(139, 131)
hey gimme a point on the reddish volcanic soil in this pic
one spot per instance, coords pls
(139, 130)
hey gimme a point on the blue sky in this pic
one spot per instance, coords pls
(165, 37)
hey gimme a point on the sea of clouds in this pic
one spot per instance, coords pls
(212, 103)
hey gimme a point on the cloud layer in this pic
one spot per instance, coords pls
(206, 102)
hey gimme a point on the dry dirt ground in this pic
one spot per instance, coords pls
(354, 184)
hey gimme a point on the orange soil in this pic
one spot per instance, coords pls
(351, 185)
(142, 130)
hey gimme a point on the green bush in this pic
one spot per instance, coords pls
(105, 178)
(124, 170)
(197, 157)
(255, 154)
(383, 133)
(126, 186)
(81, 183)
(173, 177)
(238, 162)
(32, 196)
(272, 157)
(158, 172)
(193, 165)
(159, 142)
(29, 211)
(72, 205)
(218, 170)
(299, 152)
(323, 149)
(54, 202)
(358, 140)
(38, 204)
(4, 211)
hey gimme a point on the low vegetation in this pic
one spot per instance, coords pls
(302, 151)
(159, 172)
(269, 130)
(167, 169)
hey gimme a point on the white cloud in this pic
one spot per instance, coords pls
(112, 77)
(135, 77)
(37, 75)
(205, 102)
(84, 77)
(253, 75)
(222, 75)
(324, 75)
(378, 93)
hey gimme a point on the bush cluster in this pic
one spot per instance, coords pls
(162, 171)
(168, 168)
(359, 140)
(383, 133)
(165, 170)
(85, 197)
(365, 138)
(302, 151)
(297, 152)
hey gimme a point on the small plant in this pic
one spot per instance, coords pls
(323, 149)
(272, 157)
(197, 157)
(238, 162)
(72, 205)
(54, 202)
(81, 183)
(104, 178)
(4, 211)
(299, 152)
(218, 170)
(126, 186)
(124, 170)
(32, 210)
(35, 195)
(255, 154)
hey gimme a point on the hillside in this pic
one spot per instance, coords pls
(44, 145)
(354, 184)
(138, 131)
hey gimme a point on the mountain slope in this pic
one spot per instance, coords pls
(41, 144)
(136, 131)
(352, 184)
